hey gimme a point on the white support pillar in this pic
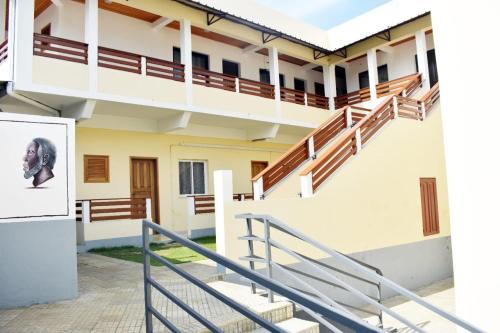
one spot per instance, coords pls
(274, 73)
(371, 58)
(86, 212)
(330, 85)
(423, 66)
(306, 186)
(187, 59)
(258, 189)
(92, 39)
(223, 192)
(21, 28)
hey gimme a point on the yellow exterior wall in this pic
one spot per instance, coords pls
(371, 202)
(76, 77)
(120, 146)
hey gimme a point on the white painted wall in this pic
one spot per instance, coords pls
(132, 35)
(400, 62)
(472, 159)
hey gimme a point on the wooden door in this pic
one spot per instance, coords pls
(144, 183)
(258, 166)
(430, 214)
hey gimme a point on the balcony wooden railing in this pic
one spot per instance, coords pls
(119, 60)
(4, 48)
(256, 88)
(214, 80)
(402, 86)
(317, 101)
(293, 96)
(164, 69)
(110, 209)
(352, 141)
(205, 204)
(303, 150)
(60, 48)
(351, 98)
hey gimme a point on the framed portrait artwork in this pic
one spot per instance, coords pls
(36, 168)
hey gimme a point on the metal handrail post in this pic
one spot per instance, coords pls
(251, 253)
(147, 275)
(267, 236)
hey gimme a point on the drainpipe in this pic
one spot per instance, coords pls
(10, 91)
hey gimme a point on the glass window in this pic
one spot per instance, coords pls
(319, 89)
(230, 68)
(383, 74)
(299, 84)
(177, 55)
(201, 61)
(192, 179)
(265, 77)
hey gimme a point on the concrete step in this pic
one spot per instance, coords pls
(276, 312)
(295, 325)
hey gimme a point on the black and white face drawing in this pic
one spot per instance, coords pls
(39, 161)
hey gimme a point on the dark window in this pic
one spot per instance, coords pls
(383, 74)
(364, 80)
(176, 55)
(340, 78)
(201, 61)
(265, 77)
(319, 89)
(192, 178)
(46, 30)
(431, 60)
(230, 68)
(298, 84)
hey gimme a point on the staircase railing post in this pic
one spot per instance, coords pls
(86, 217)
(359, 144)
(149, 215)
(251, 252)
(310, 148)
(423, 114)
(395, 106)
(143, 66)
(147, 275)
(237, 84)
(258, 189)
(348, 117)
(306, 186)
(267, 236)
(306, 102)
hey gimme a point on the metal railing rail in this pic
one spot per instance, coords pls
(270, 221)
(305, 301)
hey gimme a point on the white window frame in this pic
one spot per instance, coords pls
(205, 172)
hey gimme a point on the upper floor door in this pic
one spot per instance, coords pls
(431, 62)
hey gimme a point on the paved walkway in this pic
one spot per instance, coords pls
(111, 300)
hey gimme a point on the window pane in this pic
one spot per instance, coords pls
(185, 177)
(264, 76)
(299, 84)
(230, 68)
(176, 55)
(282, 81)
(383, 74)
(199, 177)
(200, 61)
(319, 89)
(364, 80)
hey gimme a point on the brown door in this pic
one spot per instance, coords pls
(258, 166)
(144, 183)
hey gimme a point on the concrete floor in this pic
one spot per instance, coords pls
(111, 300)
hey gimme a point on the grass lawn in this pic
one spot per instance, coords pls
(174, 253)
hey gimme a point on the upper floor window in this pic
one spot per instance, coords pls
(96, 168)
(230, 68)
(319, 89)
(199, 60)
(46, 30)
(299, 84)
(265, 77)
(364, 78)
(192, 177)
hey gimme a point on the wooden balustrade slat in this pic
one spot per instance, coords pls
(60, 48)
(292, 96)
(256, 88)
(165, 69)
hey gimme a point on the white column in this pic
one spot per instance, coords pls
(92, 39)
(187, 59)
(371, 58)
(23, 41)
(274, 73)
(330, 82)
(223, 192)
(471, 153)
(423, 66)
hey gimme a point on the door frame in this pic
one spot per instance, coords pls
(157, 186)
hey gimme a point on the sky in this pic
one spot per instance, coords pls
(323, 13)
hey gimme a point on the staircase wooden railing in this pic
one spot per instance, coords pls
(60, 48)
(214, 79)
(352, 141)
(303, 151)
(351, 98)
(4, 48)
(404, 86)
(119, 60)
